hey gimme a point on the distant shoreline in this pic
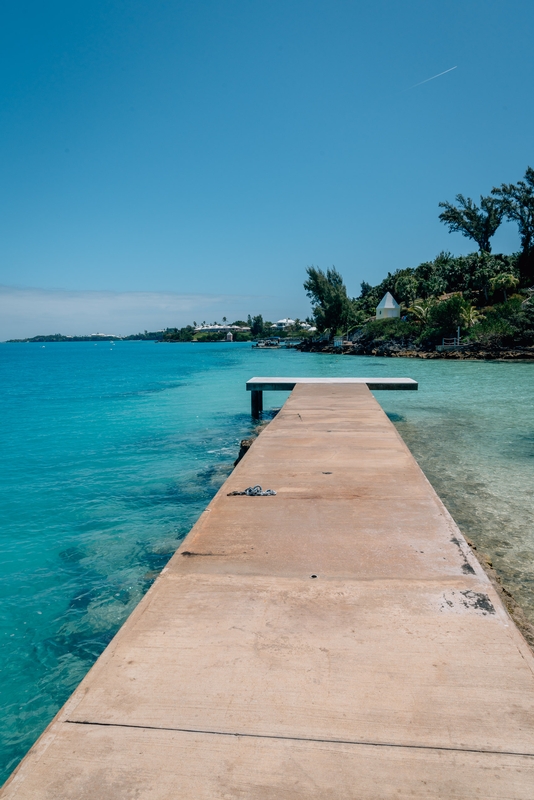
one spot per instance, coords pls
(78, 339)
(58, 338)
(379, 350)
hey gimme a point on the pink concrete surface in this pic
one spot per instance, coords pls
(338, 640)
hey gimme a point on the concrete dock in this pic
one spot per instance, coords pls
(257, 386)
(335, 641)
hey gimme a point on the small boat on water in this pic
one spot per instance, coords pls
(275, 343)
(268, 344)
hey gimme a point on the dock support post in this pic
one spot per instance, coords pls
(256, 403)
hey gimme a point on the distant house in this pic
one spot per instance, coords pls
(283, 324)
(220, 328)
(388, 308)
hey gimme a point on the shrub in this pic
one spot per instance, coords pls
(444, 319)
(382, 331)
(506, 324)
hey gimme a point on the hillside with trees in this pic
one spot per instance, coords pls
(490, 297)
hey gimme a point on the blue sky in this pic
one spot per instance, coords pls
(190, 159)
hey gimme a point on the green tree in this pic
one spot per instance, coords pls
(435, 276)
(504, 281)
(332, 308)
(420, 309)
(369, 298)
(406, 287)
(179, 334)
(517, 205)
(445, 317)
(470, 315)
(482, 268)
(477, 223)
(256, 325)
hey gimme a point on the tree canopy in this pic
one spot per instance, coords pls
(517, 204)
(331, 307)
(483, 293)
(477, 223)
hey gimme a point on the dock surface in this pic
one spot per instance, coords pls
(336, 641)
(256, 386)
(286, 384)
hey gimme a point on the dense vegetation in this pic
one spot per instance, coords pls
(490, 297)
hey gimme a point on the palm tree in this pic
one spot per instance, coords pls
(470, 316)
(421, 309)
(504, 281)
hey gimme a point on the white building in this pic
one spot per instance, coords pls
(282, 324)
(220, 328)
(388, 308)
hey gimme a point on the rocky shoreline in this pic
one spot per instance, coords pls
(400, 350)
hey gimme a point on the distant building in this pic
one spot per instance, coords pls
(220, 328)
(283, 324)
(388, 308)
(229, 337)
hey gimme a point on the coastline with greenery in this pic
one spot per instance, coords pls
(489, 297)
(484, 301)
(253, 329)
(473, 293)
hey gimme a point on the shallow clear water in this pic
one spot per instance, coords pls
(111, 451)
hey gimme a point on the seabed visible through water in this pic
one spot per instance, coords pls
(111, 451)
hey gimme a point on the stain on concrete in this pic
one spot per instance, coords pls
(467, 569)
(458, 601)
(477, 600)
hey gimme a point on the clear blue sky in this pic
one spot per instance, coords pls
(201, 154)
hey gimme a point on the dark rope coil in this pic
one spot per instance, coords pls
(254, 491)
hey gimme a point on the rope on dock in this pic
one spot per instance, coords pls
(254, 491)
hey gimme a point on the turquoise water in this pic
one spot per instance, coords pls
(111, 451)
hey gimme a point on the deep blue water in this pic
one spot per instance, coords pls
(111, 451)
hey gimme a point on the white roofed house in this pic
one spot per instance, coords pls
(388, 308)
(283, 324)
(216, 328)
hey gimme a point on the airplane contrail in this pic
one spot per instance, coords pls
(433, 77)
